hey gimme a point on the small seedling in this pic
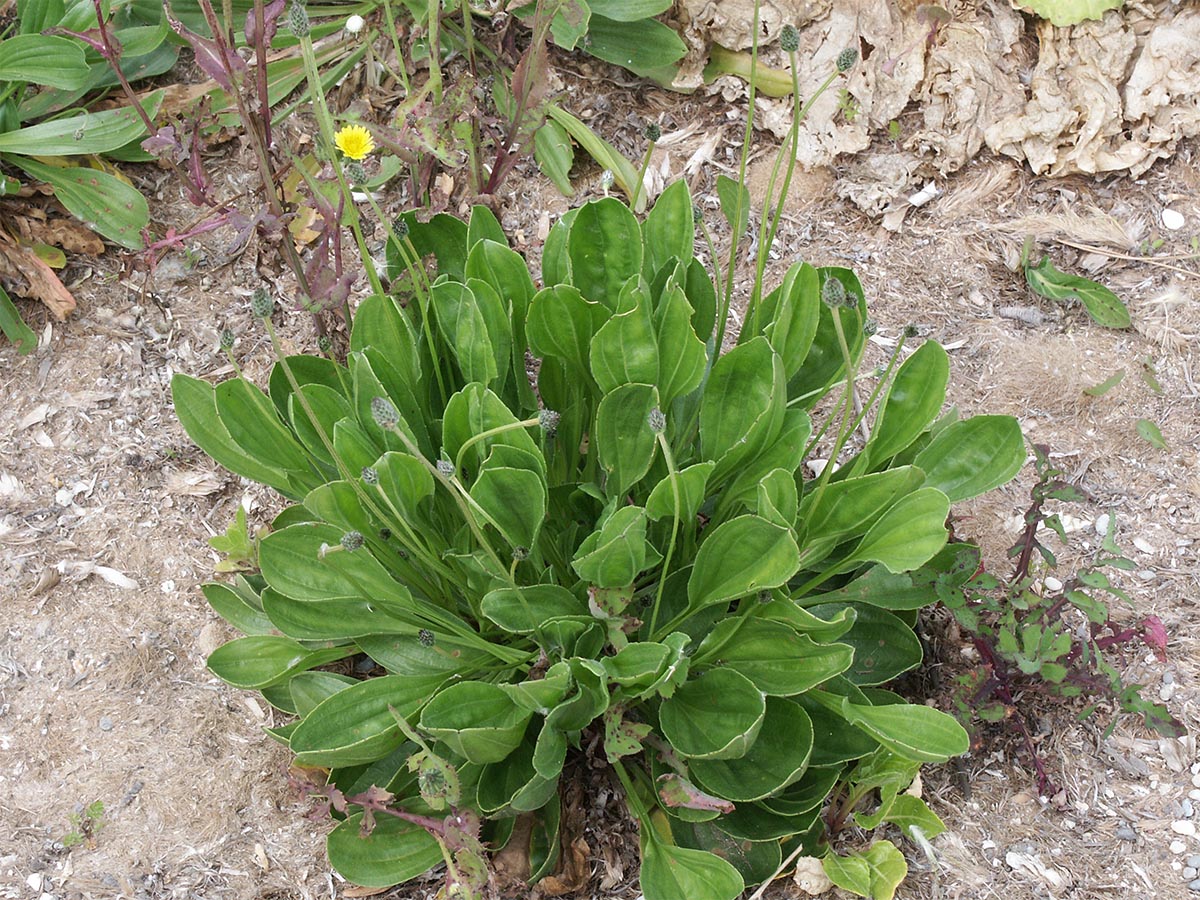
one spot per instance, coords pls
(84, 826)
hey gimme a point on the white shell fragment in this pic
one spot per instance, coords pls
(1172, 219)
(927, 193)
(810, 876)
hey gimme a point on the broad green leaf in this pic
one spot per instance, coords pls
(1070, 12)
(777, 758)
(394, 852)
(328, 407)
(355, 726)
(404, 483)
(251, 420)
(669, 230)
(294, 564)
(444, 236)
(1102, 305)
(513, 496)
(674, 873)
(909, 533)
(625, 175)
(263, 660)
(612, 556)
(755, 861)
(304, 370)
(777, 500)
(716, 715)
(789, 316)
(785, 452)
(232, 606)
(835, 740)
(919, 733)
(689, 484)
(735, 203)
(562, 323)
(102, 202)
(850, 506)
(1149, 432)
(337, 618)
(883, 646)
(776, 658)
(972, 456)
(43, 59)
(605, 248)
(625, 348)
(462, 324)
(625, 442)
(948, 571)
(875, 874)
(645, 46)
(681, 354)
(740, 557)
(482, 225)
(79, 135)
(196, 406)
(476, 720)
(743, 406)
(908, 812)
(629, 10)
(824, 363)
(473, 411)
(555, 156)
(524, 609)
(404, 654)
(514, 784)
(14, 326)
(913, 401)
(1099, 390)
(309, 689)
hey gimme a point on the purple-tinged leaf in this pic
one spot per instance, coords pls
(219, 65)
(676, 791)
(271, 14)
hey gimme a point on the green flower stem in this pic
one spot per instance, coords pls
(641, 175)
(435, 50)
(673, 474)
(736, 237)
(484, 435)
(325, 124)
(402, 74)
(847, 406)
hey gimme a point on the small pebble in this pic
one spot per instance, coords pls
(1125, 833)
(1184, 827)
(1185, 807)
(1146, 575)
(1172, 219)
(1177, 846)
(1194, 861)
(1144, 545)
(1194, 885)
(106, 724)
(1166, 692)
(1168, 678)
(1102, 522)
(1196, 781)
(1189, 872)
(1053, 584)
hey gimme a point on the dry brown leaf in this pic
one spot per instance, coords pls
(72, 236)
(356, 891)
(573, 871)
(28, 276)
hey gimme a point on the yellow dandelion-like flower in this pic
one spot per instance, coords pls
(354, 141)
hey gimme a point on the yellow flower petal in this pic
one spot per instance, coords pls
(354, 141)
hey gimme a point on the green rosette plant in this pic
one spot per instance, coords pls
(542, 531)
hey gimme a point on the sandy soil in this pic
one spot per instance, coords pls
(103, 691)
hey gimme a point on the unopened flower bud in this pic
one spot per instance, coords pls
(355, 172)
(445, 468)
(384, 413)
(520, 554)
(425, 637)
(789, 39)
(653, 132)
(226, 338)
(261, 303)
(324, 343)
(400, 228)
(870, 328)
(657, 421)
(846, 59)
(297, 19)
(833, 293)
(354, 24)
(548, 421)
(911, 330)
(606, 179)
(369, 475)
(352, 540)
